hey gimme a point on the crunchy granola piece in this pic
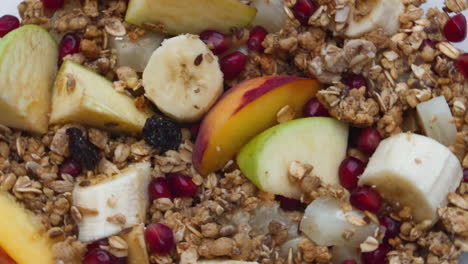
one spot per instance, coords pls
(75, 20)
(223, 246)
(128, 76)
(439, 244)
(70, 251)
(311, 252)
(455, 220)
(90, 49)
(210, 230)
(456, 5)
(298, 170)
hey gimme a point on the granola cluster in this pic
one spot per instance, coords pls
(217, 223)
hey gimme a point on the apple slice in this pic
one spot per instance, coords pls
(83, 96)
(244, 111)
(270, 14)
(342, 253)
(186, 16)
(28, 64)
(22, 236)
(318, 141)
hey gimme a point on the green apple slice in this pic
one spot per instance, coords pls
(318, 141)
(187, 16)
(28, 64)
(83, 96)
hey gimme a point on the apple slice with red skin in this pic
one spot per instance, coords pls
(245, 111)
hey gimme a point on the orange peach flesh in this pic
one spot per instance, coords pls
(4, 258)
(245, 111)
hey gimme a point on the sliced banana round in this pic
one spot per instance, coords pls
(183, 78)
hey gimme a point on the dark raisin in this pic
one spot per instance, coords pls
(162, 133)
(81, 149)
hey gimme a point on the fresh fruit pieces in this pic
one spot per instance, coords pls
(462, 64)
(368, 140)
(392, 226)
(99, 256)
(82, 149)
(314, 108)
(70, 167)
(465, 175)
(22, 232)
(317, 141)
(270, 14)
(225, 261)
(8, 23)
(159, 188)
(53, 4)
(325, 222)
(159, 238)
(83, 96)
(183, 78)
(265, 214)
(105, 202)
(233, 64)
(290, 245)
(340, 254)
(69, 45)
(289, 204)
(366, 199)
(162, 133)
(383, 13)
(303, 10)
(455, 28)
(216, 41)
(244, 111)
(136, 53)
(181, 185)
(356, 81)
(349, 171)
(377, 256)
(415, 171)
(28, 64)
(436, 120)
(137, 253)
(183, 16)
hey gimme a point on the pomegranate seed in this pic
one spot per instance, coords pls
(462, 64)
(368, 140)
(455, 28)
(365, 198)
(289, 204)
(70, 167)
(353, 136)
(377, 256)
(392, 226)
(233, 64)
(97, 244)
(356, 81)
(100, 256)
(257, 35)
(303, 9)
(314, 108)
(70, 44)
(181, 185)
(159, 188)
(349, 261)
(349, 172)
(216, 41)
(194, 131)
(7, 24)
(465, 175)
(53, 4)
(159, 238)
(427, 42)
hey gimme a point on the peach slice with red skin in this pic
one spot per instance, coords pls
(243, 112)
(4, 258)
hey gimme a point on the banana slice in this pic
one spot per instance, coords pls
(415, 171)
(137, 253)
(109, 206)
(183, 78)
(384, 14)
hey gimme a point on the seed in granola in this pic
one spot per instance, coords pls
(162, 133)
(368, 140)
(314, 108)
(81, 149)
(392, 226)
(97, 244)
(53, 4)
(349, 261)
(356, 81)
(257, 35)
(216, 41)
(160, 238)
(455, 28)
(70, 44)
(349, 171)
(462, 64)
(366, 198)
(70, 167)
(181, 185)
(233, 64)
(377, 256)
(159, 188)
(289, 204)
(7, 24)
(303, 10)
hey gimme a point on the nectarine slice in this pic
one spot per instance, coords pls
(4, 258)
(243, 112)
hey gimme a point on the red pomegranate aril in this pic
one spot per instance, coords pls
(303, 10)
(257, 35)
(356, 81)
(233, 64)
(366, 198)
(314, 108)
(427, 42)
(392, 226)
(349, 261)
(368, 140)
(70, 44)
(70, 167)
(97, 244)
(289, 204)
(7, 24)
(216, 41)
(99, 256)
(53, 4)
(462, 64)
(455, 28)
(465, 175)
(349, 171)
(159, 238)
(377, 256)
(181, 185)
(159, 188)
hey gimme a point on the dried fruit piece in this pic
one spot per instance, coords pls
(81, 149)
(162, 133)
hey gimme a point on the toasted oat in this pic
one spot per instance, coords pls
(285, 114)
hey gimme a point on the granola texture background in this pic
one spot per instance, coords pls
(400, 76)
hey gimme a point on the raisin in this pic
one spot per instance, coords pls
(162, 133)
(81, 149)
